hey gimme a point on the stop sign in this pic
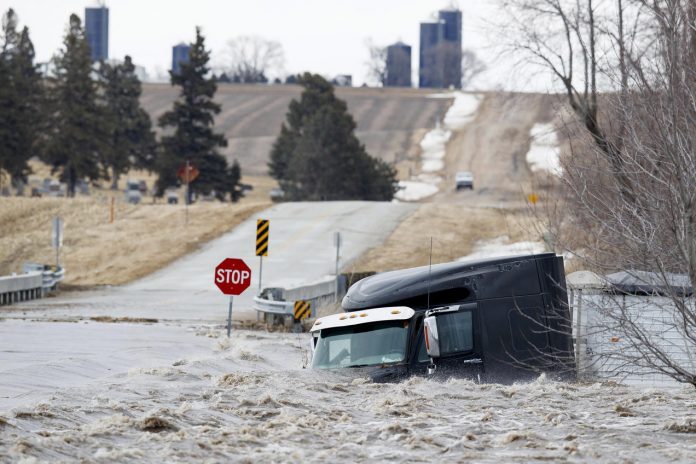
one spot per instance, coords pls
(232, 276)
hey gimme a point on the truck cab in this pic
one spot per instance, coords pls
(495, 320)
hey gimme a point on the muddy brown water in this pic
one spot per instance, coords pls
(249, 399)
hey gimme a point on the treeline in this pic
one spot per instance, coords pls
(86, 121)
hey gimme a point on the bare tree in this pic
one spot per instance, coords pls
(376, 63)
(472, 67)
(253, 59)
(628, 186)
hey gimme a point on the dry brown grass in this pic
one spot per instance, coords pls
(455, 229)
(142, 239)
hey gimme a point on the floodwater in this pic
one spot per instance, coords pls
(250, 399)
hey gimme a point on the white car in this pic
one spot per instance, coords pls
(464, 179)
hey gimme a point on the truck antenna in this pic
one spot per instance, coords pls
(430, 269)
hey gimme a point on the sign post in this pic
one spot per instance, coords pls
(229, 317)
(57, 237)
(187, 173)
(263, 231)
(232, 277)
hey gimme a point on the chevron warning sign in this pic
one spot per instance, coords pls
(303, 309)
(262, 233)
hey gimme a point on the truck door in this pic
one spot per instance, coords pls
(515, 337)
(460, 345)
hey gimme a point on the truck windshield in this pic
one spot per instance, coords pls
(361, 345)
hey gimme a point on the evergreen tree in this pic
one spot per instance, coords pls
(192, 137)
(76, 142)
(317, 155)
(20, 99)
(131, 141)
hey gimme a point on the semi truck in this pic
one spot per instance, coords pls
(492, 320)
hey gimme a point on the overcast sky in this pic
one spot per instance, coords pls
(323, 36)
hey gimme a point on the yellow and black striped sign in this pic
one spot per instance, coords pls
(303, 309)
(262, 233)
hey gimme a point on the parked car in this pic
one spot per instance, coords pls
(172, 196)
(53, 188)
(133, 194)
(464, 179)
(277, 194)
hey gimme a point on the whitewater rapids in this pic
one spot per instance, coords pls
(250, 399)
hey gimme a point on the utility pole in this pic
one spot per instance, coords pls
(187, 176)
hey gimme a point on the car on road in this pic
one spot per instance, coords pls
(464, 179)
(277, 194)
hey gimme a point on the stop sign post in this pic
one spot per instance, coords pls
(232, 277)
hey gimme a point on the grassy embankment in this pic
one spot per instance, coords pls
(455, 229)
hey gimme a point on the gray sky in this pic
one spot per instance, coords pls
(324, 36)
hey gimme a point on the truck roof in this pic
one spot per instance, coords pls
(450, 283)
(394, 313)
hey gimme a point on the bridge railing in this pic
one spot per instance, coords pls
(36, 282)
(281, 301)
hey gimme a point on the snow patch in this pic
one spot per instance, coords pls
(433, 149)
(442, 95)
(434, 145)
(419, 187)
(462, 111)
(501, 246)
(414, 191)
(544, 152)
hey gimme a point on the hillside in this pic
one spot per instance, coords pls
(390, 122)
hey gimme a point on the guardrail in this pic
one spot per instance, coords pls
(36, 282)
(273, 307)
(280, 301)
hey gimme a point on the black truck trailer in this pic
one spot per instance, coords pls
(493, 320)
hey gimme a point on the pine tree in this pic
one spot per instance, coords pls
(131, 141)
(20, 99)
(317, 155)
(76, 142)
(192, 119)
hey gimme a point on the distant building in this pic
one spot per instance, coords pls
(441, 51)
(451, 48)
(398, 65)
(180, 54)
(429, 66)
(97, 32)
(343, 80)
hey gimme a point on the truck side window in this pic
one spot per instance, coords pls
(456, 332)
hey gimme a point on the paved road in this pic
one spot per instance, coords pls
(493, 147)
(301, 250)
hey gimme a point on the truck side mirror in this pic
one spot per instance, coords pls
(432, 340)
